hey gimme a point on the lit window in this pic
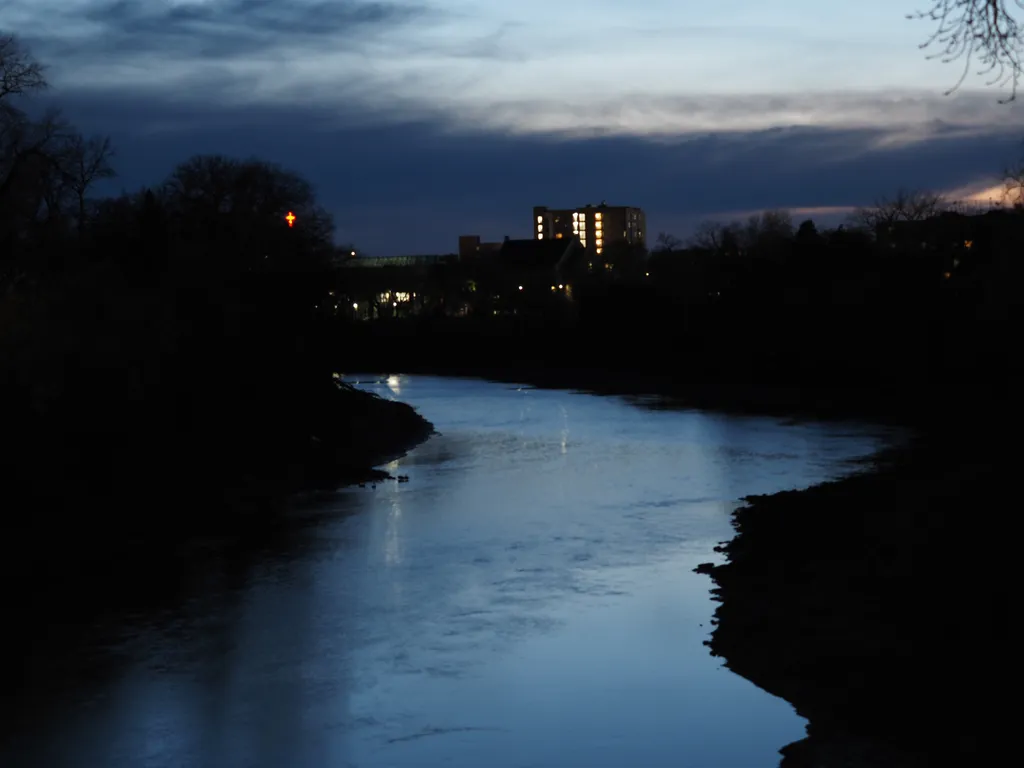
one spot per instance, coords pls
(598, 241)
(597, 225)
(599, 251)
(583, 226)
(597, 216)
(583, 217)
(540, 235)
(540, 227)
(584, 243)
(558, 236)
(575, 216)
(968, 244)
(540, 219)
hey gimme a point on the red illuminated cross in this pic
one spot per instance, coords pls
(290, 218)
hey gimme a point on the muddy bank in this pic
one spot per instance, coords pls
(878, 606)
(726, 391)
(714, 371)
(88, 498)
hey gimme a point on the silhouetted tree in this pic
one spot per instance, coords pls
(906, 205)
(807, 241)
(20, 73)
(240, 205)
(666, 242)
(766, 231)
(83, 163)
(717, 237)
(1013, 183)
(807, 232)
(982, 31)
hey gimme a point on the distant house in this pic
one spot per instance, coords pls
(545, 261)
(527, 275)
(470, 246)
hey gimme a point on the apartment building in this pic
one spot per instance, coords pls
(595, 226)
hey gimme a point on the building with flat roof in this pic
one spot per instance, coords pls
(595, 226)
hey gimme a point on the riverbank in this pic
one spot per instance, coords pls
(722, 391)
(877, 606)
(91, 499)
(724, 372)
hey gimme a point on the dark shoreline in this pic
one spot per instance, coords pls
(110, 529)
(872, 604)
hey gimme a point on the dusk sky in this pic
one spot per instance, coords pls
(418, 122)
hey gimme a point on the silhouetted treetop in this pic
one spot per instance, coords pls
(19, 72)
(242, 204)
(905, 205)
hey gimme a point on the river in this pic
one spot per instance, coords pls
(526, 600)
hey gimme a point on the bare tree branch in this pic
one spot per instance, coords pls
(19, 72)
(1013, 183)
(977, 31)
(906, 205)
(667, 242)
(85, 162)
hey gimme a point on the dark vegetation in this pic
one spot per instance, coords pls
(162, 368)
(877, 606)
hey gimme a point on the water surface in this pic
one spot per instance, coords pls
(525, 600)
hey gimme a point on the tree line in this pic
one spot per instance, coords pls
(165, 331)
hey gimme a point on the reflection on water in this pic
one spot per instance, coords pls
(527, 599)
(395, 384)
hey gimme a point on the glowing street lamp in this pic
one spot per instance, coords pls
(290, 218)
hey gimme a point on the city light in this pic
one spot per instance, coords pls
(355, 305)
(520, 287)
(290, 218)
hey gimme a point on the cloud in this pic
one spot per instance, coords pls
(220, 29)
(414, 187)
(240, 49)
(906, 116)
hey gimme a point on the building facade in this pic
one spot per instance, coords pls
(595, 226)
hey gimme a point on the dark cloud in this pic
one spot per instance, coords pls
(220, 29)
(415, 187)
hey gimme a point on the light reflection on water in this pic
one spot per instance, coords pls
(527, 599)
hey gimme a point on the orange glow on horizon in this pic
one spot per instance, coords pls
(290, 218)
